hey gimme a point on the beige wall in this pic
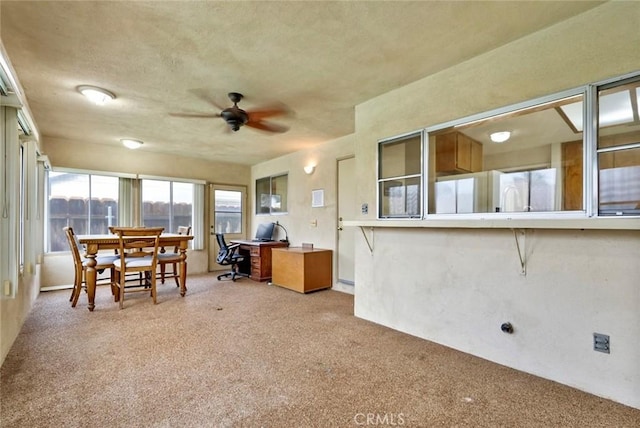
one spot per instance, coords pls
(56, 270)
(298, 220)
(13, 312)
(116, 158)
(456, 286)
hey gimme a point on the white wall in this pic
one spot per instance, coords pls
(456, 286)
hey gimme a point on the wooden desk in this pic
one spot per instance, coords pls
(259, 254)
(302, 269)
(94, 243)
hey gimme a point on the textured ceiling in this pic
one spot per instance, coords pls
(320, 59)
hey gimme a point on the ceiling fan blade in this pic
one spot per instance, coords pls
(268, 111)
(195, 115)
(203, 95)
(268, 127)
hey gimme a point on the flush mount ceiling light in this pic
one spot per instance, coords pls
(96, 95)
(131, 144)
(500, 137)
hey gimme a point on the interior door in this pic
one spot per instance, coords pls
(227, 215)
(347, 210)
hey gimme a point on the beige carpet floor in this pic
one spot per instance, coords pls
(247, 354)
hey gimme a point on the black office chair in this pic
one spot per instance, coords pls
(229, 256)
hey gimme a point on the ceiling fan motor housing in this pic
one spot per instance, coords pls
(235, 117)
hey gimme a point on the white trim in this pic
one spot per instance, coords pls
(93, 172)
(608, 223)
(505, 110)
(197, 217)
(174, 179)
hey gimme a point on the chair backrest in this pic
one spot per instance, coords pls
(138, 242)
(182, 230)
(74, 245)
(225, 253)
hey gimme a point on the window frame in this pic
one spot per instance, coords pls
(172, 227)
(505, 111)
(258, 203)
(590, 205)
(420, 175)
(130, 201)
(47, 220)
(595, 151)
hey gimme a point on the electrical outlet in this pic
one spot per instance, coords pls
(601, 343)
(6, 287)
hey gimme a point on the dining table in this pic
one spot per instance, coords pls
(95, 243)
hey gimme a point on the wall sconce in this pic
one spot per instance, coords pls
(309, 169)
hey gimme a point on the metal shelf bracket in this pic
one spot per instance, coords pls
(366, 238)
(520, 235)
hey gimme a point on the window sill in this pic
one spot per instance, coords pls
(616, 223)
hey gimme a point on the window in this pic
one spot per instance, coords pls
(399, 177)
(86, 202)
(574, 152)
(228, 211)
(522, 160)
(271, 194)
(23, 202)
(618, 149)
(167, 204)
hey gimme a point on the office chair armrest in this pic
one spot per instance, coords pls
(233, 246)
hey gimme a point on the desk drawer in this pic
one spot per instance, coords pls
(256, 274)
(255, 262)
(254, 252)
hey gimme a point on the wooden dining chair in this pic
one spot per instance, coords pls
(172, 259)
(80, 266)
(138, 252)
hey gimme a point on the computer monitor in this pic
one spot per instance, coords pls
(265, 232)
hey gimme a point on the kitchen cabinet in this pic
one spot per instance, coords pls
(457, 153)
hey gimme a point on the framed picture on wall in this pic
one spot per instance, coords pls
(317, 198)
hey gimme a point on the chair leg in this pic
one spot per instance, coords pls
(122, 282)
(153, 288)
(162, 271)
(114, 278)
(77, 288)
(175, 274)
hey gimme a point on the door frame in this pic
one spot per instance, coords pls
(213, 245)
(342, 285)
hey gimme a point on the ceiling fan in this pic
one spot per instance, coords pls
(236, 117)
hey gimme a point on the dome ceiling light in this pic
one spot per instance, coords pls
(500, 137)
(96, 95)
(131, 144)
